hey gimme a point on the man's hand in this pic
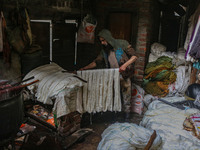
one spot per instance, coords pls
(81, 69)
(122, 68)
(90, 66)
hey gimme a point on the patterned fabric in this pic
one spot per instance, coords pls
(119, 52)
(126, 94)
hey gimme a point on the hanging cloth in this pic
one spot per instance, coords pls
(1, 33)
(193, 47)
(29, 33)
(6, 46)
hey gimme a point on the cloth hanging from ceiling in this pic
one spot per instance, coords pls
(194, 46)
(195, 43)
(1, 32)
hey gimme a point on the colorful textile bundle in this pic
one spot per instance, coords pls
(158, 75)
(192, 123)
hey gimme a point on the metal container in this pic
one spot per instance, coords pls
(11, 116)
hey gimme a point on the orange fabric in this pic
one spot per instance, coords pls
(155, 72)
(51, 121)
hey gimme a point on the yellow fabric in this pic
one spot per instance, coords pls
(29, 33)
(154, 73)
(154, 89)
(159, 76)
(162, 61)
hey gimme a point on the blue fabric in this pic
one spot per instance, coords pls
(119, 52)
(196, 65)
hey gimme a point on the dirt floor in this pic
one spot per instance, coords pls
(99, 124)
(42, 138)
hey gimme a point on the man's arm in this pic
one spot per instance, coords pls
(130, 61)
(90, 66)
(94, 63)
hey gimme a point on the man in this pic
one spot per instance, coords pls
(117, 53)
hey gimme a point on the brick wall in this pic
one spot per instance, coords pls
(146, 26)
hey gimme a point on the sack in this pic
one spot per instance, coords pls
(16, 40)
(86, 30)
(193, 90)
(137, 98)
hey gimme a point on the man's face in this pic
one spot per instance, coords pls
(103, 41)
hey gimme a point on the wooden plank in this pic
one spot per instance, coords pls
(151, 140)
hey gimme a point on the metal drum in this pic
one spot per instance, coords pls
(11, 116)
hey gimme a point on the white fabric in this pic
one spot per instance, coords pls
(188, 57)
(148, 98)
(152, 57)
(189, 32)
(55, 84)
(157, 49)
(169, 54)
(180, 59)
(183, 79)
(127, 136)
(168, 123)
(40, 73)
(102, 90)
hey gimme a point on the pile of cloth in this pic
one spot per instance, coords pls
(56, 87)
(127, 136)
(69, 92)
(158, 76)
(168, 123)
(166, 120)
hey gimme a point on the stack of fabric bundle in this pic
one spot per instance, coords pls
(158, 76)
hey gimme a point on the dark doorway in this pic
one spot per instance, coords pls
(170, 26)
(63, 53)
(42, 38)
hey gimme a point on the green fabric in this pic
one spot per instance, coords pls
(162, 61)
(166, 76)
(162, 75)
